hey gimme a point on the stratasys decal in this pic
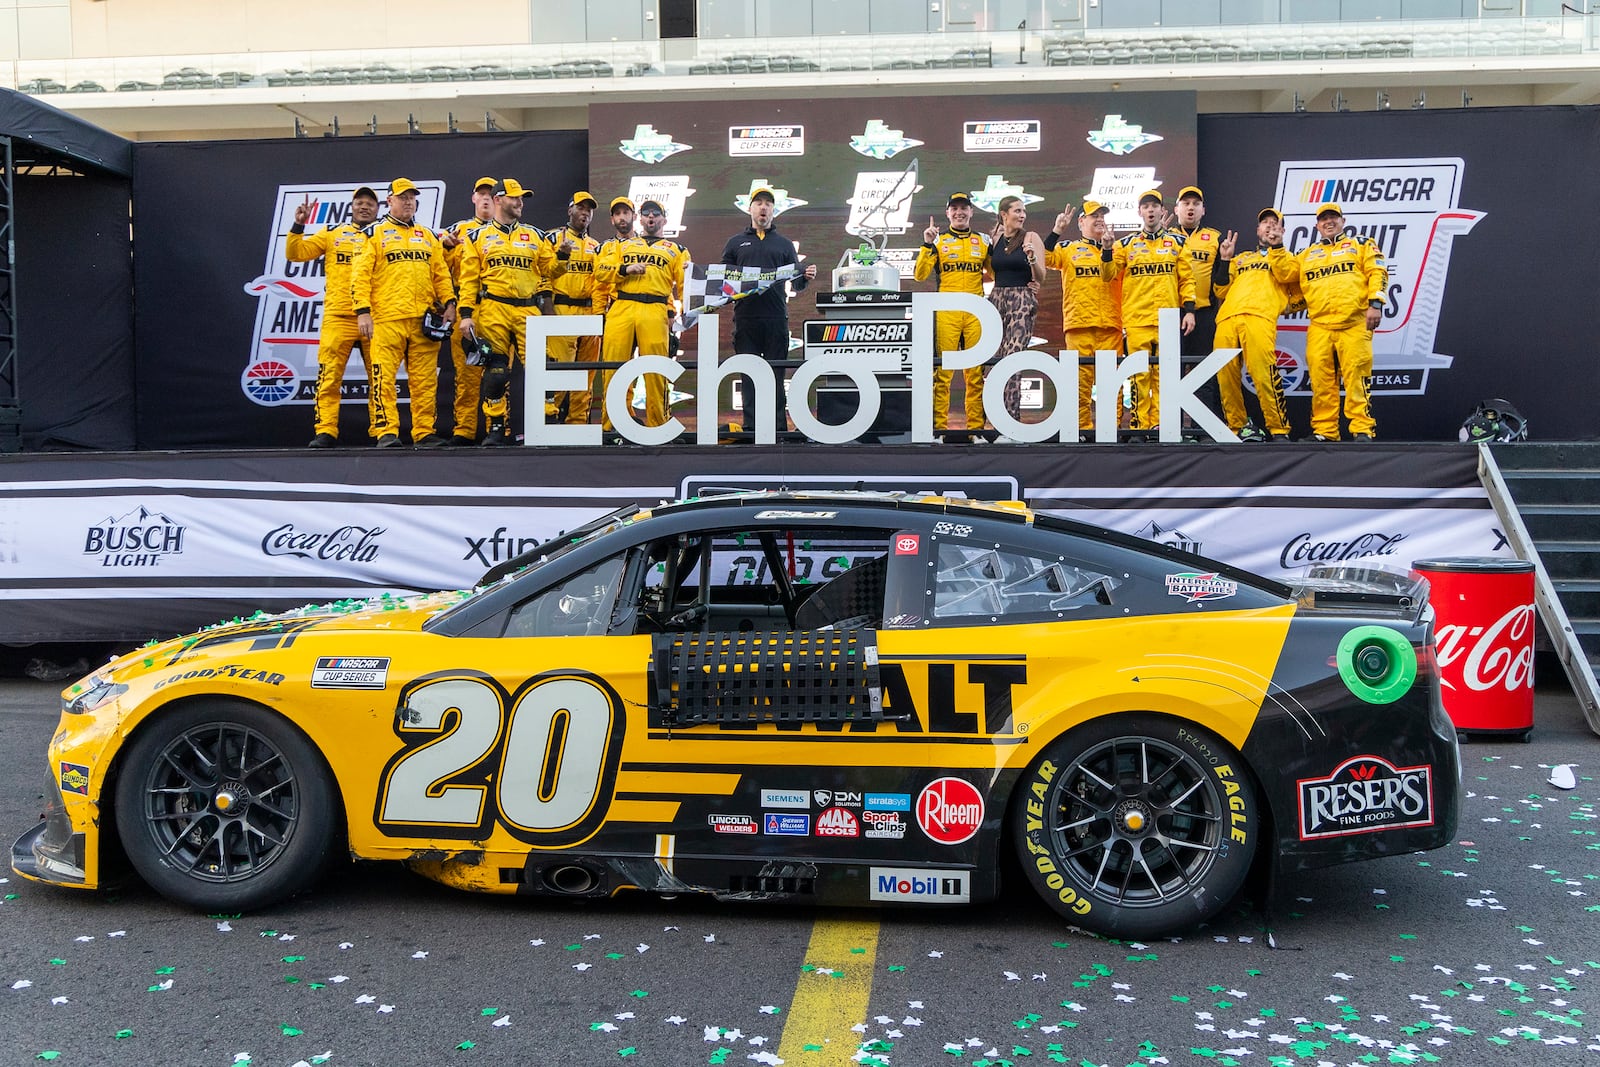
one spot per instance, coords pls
(1365, 795)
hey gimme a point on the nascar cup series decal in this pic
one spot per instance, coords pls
(281, 364)
(1411, 208)
(766, 141)
(350, 672)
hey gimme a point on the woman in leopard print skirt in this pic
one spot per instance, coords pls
(1017, 260)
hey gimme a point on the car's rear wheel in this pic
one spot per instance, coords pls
(1137, 825)
(224, 805)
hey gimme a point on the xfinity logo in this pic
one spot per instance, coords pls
(497, 547)
(347, 544)
(1302, 550)
(923, 887)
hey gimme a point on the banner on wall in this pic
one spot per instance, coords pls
(131, 548)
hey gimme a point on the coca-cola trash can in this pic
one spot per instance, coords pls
(1483, 631)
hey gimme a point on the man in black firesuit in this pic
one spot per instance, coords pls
(761, 321)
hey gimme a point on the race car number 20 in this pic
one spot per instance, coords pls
(542, 769)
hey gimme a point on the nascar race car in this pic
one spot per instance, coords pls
(841, 697)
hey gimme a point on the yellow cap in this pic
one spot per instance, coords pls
(1094, 207)
(762, 190)
(1269, 213)
(402, 185)
(1325, 208)
(583, 196)
(481, 182)
(1151, 194)
(1191, 190)
(622, 201)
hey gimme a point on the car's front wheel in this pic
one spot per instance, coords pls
(1137, 825)
(225, 806)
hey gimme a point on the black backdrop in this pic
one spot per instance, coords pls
(1518, 308)
(74, 283)
(203, 213)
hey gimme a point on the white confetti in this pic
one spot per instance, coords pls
(918, 1003)
(582, 966)
(366, 998)
(758, 1041)
(605, 1028)
(1561, 776)
(623, 1016)
(709, 938)
(536, 942)
(675, 1020)
(241, 1057)
(60, 1000)
(224, 927)
(1040, 977)
(504, 1020)
(385, 1009)
(935, 954)
(164, 985)
(641, 947)
(764, 1057)
(84, 937)
(345, 945)
(1012, 976)
(339, 978)
(910, 1021)
(591, 937)
(772, 1009)
(118, 933)
(419, 955)
(281, 937)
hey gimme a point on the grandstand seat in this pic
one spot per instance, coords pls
(1183, 54)
(1164, 53)
(87, 87)
(139, 87)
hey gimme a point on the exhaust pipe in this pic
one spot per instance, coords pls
(571, 879)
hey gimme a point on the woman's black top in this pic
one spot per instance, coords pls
(1011, 269)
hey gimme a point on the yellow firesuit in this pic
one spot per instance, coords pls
(468, 378)
(1201, 243)
(960, 257)
(1089, 312)
(1254, 289)
(503, 269)
(642, 310)
(572, 280)
(338, 336)
(400, 275)
(1341, 279)
(1155, 270)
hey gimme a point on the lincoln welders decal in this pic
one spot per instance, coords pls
(1364, 795)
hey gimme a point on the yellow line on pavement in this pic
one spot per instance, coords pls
(826, 1006)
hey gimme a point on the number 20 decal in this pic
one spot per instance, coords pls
(543, 769)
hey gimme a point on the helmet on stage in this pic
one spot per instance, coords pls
(477, 349)
(1494, 420)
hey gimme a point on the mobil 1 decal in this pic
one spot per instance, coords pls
(936, 698)
(1364, 795)
(1410, 208)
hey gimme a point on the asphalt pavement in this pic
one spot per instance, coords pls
(1476, 953)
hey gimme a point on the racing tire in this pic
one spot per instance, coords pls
(226, 807)
(1137, 826)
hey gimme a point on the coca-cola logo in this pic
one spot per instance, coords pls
(1302, 550)
(1497, 656)
(347, 544)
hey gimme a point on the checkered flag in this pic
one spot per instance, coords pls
(711, 285)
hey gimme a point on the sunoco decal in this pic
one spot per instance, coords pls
(1193, 586)
(75, 778)
(350, 672)
(1365, 795)
(919, 886)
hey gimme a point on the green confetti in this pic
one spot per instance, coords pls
(597, 1026)
(641, 994)
(613, 955)
(48, 1054)
(574, 948)
(466, 1046)
(292, 979)
(290, 1031)
(719, 1056)
(858, 952)
(165, 970)
(1397, 959)
(1179, 998)
(120, 1034)
(896, 967)
(58, 963)
(488, 1011)
(629, 1051)
(294, 959)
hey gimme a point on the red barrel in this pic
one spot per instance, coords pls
(1483, 629)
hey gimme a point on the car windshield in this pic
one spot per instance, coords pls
(541, 554)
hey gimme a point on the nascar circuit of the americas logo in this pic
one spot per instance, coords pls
(1411, 208)
(281, 366)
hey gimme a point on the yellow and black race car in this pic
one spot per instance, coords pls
(839, 697)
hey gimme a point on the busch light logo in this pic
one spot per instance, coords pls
(1364, 795)
(281, 364)
(1166, 535)
(347, 544)
(1410, 208)
(141, 538)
